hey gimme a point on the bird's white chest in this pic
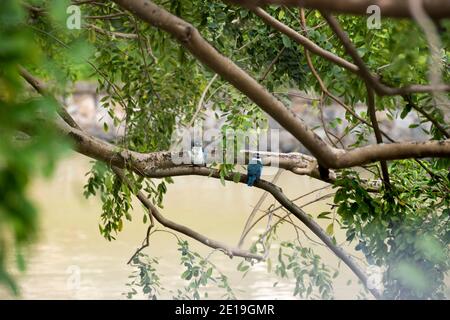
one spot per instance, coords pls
(198, 156)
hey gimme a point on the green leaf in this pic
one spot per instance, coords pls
(286, 41)
(222, 179)
(405, 111)
(330, 229)
(324, 215)
(186, 275)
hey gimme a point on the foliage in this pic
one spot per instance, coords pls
(21, 158)
(199, 273)
(404, 230)
(307, 270)
(145, 278)
(313, 279)
(117, 196)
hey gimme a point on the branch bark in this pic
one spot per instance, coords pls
(40, 87)
(389, 8)
(376, 128)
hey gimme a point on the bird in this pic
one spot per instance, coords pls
(254, 170)
(197, 155)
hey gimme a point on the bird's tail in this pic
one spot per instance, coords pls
(251, 181)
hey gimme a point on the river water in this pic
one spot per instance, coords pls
(70, 244)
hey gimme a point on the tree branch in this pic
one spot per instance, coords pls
(111, 33)
(393, 151)
(389, 8)
(229, 251)
(376, 128)
(367, 75)
(304, 41)
(40, 87)
(278, 194)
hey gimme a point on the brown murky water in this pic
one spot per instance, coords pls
(69, 238)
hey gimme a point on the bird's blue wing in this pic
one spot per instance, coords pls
(258, 174)
(254, 173)
(251, 180)
(253, 169)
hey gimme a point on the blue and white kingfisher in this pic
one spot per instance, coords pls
(254, 170)
(198, 157)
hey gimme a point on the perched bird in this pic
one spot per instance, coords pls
(197, 155)
(254, 169)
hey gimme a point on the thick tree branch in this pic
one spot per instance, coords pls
(393, 151)
(389, 8)
(153, 164)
